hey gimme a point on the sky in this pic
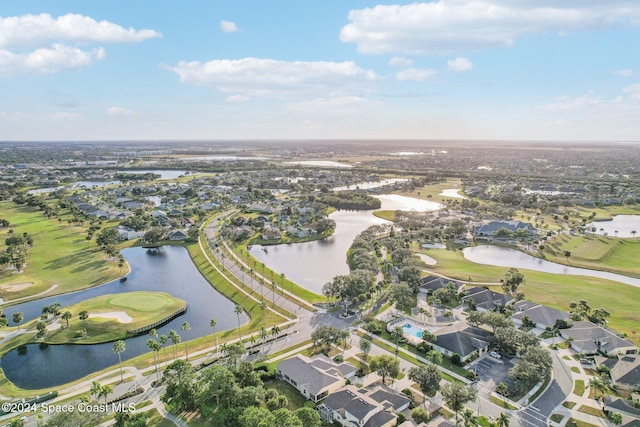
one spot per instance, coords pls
(336, 69)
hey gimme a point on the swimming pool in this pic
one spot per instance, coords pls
(414, 331)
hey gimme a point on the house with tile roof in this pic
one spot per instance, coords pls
(588, 338)
(314, 378)
(485, 299)
(541, 315)
(623, 370)
(461, 339)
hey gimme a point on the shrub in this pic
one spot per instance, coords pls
(401, 418)
(420, 415)
(455, 359)
(407, 392)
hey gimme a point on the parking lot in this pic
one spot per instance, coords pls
(492, 371)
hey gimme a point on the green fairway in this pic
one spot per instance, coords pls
(112, 316)
(61, 256)
(596, 252)
(432, 192)
(555, 290)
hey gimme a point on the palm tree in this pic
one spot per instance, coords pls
(104, 391)
(118, 348)
(273, 294)
(84, 315)
(155, 346)
(163, 340)
(397, 334)
(261, 281)
(275, 331)
(17, 319)
(633, 233)
(263, 337)
(175, 340)
(186, 327)
(95, 389)
(282, 276)
(65, 316)
(213, 324)
(470, 420)
(598, 385)
(365, 346)
(503, 420)
(238, 311)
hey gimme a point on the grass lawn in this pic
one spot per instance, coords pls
(502, 403)
(61, 256)
(568, 404)
(578, 388)
(556, 418)
(155, 419)
(432, 192)
(144, 308)
(592, 411)
(596, 253)
(295, 399)
(577, 423)
(554, 290)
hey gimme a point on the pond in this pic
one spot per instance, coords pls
(168, 271)
(312, 264)
(452, 192)
(367, 185)
(164, 173)
(622, 224)
(320, 163)
(505, 257)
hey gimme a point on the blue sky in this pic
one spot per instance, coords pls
(447, 69)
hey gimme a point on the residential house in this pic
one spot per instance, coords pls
(177, 235)
(589, 338)
(374, 407)
(127, 233)
(314, 378)
(433, 283)
(462, 339)
(490, 228)
(623, 370)
(629, 412)
(485, 299)
(543, 316)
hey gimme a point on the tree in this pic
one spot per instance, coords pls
(213, 324)
(186, 327)
(456, 395)
(66, 316)
(309, 417)
(365, 346)
(470, 420)
(263, 337)
(118, 348)
(104, 392)
(42, 329)
(155, 235)
(181, 392)
(397, 333)
(95, 389)
(427, 377)
(17, 318)
(503, 420)
(175, 340)
(155, 346)
(325, 336)
(598, 386)
(238, 311)
(108, 236)
(84, 315)
(616, 418)
(385, 366)
(512, 280)
(403, 296)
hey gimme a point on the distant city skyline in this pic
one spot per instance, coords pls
(447, 69)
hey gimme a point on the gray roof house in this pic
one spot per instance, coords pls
(314, 378)
(374, 407)
(629, 412)
(485, 299)
(489, 229)
(589, 338)
(539, 314)
(433, 283)
(462, 339)
(624, 371)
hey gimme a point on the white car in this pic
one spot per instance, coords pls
(495, 354)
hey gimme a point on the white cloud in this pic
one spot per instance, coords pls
(416, 74)
(229, 27)
(120, 112)
(633, 91)
(64, 116)
(274, 78)
(625, 72)
(237, 98)
(333, 105)
(47, 60)
(460, 65)
(448, 26)
(35, 30)
(569, 103)
(400, 61)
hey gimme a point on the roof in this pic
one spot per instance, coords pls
(621, 405)
(380, 419)
(310, 373)
(375, 405)
(432, 283)
(538, 313)
(394, 400)
(587, 336)
(487, 299)
(462, 339)
(625, 369)
(493, 226)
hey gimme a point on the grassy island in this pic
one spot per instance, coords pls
(112, 317)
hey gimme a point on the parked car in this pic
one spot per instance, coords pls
(495, 354)
(585, 361)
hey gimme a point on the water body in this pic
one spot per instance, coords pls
(370, 184)
(504, 257)
(312, 264)
(164, 173)
(320, 163)
(222, 158)
(452, 192)
(624, 224)
(171, 271)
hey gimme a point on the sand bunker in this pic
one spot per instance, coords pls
(16, 287)
(120, 316)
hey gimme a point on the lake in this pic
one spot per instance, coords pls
(505, 257)
(319, 163)
(312, 264)
(624, 224)
(369, 184)
(168, 271)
